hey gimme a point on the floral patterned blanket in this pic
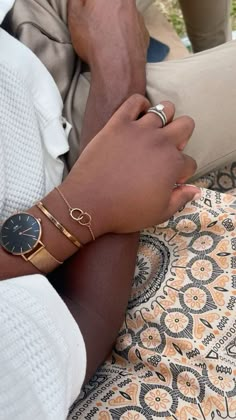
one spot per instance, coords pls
(175, 356)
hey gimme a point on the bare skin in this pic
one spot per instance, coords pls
(112, 39)
(114, 206)
(106, 267)
(107, 183)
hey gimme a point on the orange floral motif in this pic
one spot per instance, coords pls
(222, 382)
(201, 269)
(186, 225)
(195, 298)
(188, 385)
(158, 400)
(176, 321)
(150, 338)
(203, 243)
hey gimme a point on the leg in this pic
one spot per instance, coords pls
(207, 22)
(202, 87)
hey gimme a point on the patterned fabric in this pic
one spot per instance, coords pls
(223, 180)
(175, 356)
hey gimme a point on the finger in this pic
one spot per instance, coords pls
(180, 131)
(181, 196)
(153, 120)
(131, 109)
(188, 170)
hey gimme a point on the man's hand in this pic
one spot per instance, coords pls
(107, 28)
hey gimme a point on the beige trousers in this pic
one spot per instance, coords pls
(207, 21)
(201, 85)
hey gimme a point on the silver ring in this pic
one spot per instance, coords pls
(159, 110)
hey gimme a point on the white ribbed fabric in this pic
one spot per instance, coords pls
(39, 369)
(20, 146)
(42, 352)
(31, 132)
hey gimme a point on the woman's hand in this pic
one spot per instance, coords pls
(130, 168)
(101, 29)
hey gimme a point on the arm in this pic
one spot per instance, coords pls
(112, 200)
(106, 267)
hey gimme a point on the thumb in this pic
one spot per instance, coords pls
(181, 195)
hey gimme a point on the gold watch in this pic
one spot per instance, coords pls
(21, 235)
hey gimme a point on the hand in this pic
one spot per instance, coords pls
(107, 27)
(130, 168)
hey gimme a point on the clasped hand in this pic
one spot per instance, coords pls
(129, 170)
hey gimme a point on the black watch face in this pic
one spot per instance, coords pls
(20, 233)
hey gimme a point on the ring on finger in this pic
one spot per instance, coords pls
(159, 111)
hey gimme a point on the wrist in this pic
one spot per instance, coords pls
(81, 195)
(123, 68)
(56, 243)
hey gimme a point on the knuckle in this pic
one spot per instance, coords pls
(135, 98)
(169, 106)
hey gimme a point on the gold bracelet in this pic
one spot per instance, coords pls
(58, 225)
(83, 218)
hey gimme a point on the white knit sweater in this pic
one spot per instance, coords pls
(42, 352)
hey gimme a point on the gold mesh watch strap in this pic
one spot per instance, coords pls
(42, 259)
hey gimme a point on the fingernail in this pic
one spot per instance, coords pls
(197, 196)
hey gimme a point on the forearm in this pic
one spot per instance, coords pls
(112, 82)
(96, 283)
(96, 291)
